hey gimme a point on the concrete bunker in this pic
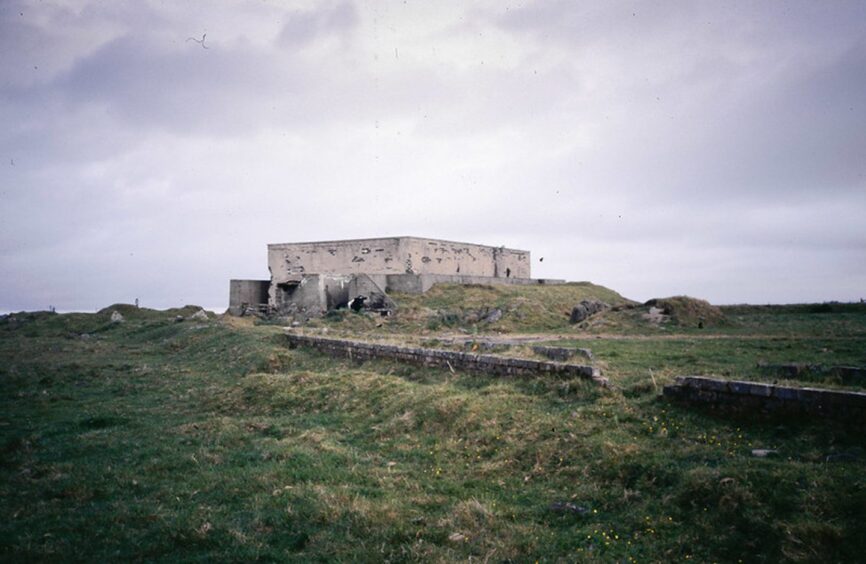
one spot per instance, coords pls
(314, 277)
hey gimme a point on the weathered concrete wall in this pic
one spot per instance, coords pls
(304, 296)
(431, 256)
(315, 294)
(453, 360)
(766, 398)
(395, 255)
(405, 284)
(290, 261)
(244, 293)
(363, 285)
(420, 283)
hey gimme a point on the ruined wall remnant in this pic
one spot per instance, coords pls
(452, 360)
(373, 295)
(796, 371)
(245, 294)
(312, 294)
(755, 397)
(561, 354)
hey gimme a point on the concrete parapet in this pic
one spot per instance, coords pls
(453, 360)
(421, 283)
(767, 398)
(395, 255)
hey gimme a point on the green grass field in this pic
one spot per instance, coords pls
(190, 441)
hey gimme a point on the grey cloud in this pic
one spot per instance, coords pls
(788, 141)
(713, 150)
(181, 87)
(232, 90)
(800, 138)
(37, 42)
(733, 111)
(706, 23)
(302, 27)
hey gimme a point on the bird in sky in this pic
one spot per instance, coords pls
(199, 41)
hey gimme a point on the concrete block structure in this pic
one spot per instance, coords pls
(395, 255)
(246, 294)
(314, 277)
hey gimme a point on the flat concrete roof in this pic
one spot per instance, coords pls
(394, 238)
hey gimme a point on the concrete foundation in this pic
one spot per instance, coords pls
(768, 399)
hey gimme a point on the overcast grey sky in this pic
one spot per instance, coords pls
(716, 149)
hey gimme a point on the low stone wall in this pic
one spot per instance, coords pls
(561, 353)
(454, 360)
(767, 398)
(845, 374)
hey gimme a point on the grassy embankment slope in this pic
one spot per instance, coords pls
(153, 439)
(628, 346)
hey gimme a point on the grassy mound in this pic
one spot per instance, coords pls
(130, 311)
(688, 311)
(522, 308)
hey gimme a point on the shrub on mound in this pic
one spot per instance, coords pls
(688, 311)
